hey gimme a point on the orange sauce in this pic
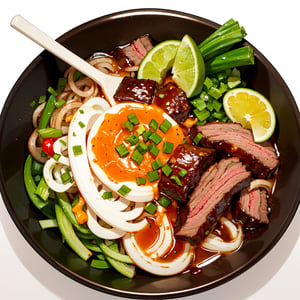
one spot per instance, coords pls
(111, 134)
(80, 214)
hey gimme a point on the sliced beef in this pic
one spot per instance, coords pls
(195, 160)
(173, 101)
(136, 90)
(132, 54)
(231, 139)
(211, 198)
(252, 208)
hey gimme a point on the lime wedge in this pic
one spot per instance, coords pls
(158, 61)
(252, 110)
(189, 69)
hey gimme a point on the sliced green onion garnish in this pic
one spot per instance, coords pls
(197, 138)
(155, 138)
(165, 126)
(127, 125)
(132, 139)
(42, 189)
(107, 195)
(63, 142)
(122, 150)
(167, 170)
(146, 135)
(42, 99)
(153, 175)
(66, 177)
(60, 103)
(141, 130)
(176, 179)
(167, 147)
(156, 164)
(48, 223)
(52, 91)
(153, 150)
(150, 208)
(137, 156)
(141, 180)
(153, 124)
(77, 150)
(164, 201)
(142, 147)
(133, 119)
(81, 124)
(49, 133)
(182, 172)
(56, 156)
(124, 190)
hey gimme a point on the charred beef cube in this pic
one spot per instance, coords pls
(136, 90)
(193, 160)
(173, 101)
(132, 54)
(252, 208)
(231, 139)
(211, 198)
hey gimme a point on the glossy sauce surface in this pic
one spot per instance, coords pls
(111, 134)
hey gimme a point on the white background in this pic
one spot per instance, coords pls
(272, 26)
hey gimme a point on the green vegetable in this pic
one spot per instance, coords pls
(42, 189)
(141, 130)
(153, 124)
(167, 170)
(48, 223)
(127, 125)
(133, 119)
(234, 58)
(141, 180)
(132, 139)
(137, 157)
(165, 201)
(176, 179)
(150, 208)
(167, 147)
(197, 138)
(146, 135)
(69, 234)
(156, 164)
(122, 150)
(165, 126)
(153, 175)
(100, 264)
(155, 138)
(47, 112)
(107, 195)
(77, 150)
(142, 147)
(182, 172)
(153, 150)
(124, 190)
(30, 184)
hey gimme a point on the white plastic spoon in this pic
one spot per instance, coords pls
(108, 83)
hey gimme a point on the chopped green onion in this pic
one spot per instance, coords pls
(47, 112)
(153, 150)
(77, 150)
(32, 104)
(182, 172)
(127, 125)
(36, 168)
(124, 190)
(66, 177)
(132, 139)
(43, 190)
(197, 138)
(156, 164)
(167, 147)
(49, 133)
(141, 130)
(164, 201)
(141, 180)
(63, 142)
(161, 96)
(137, 156)
(153, 124)
(150, 208)
(153, 175)
(60, 103)
(165, 126)
(184, 140)
(56, 156)
(201, 115)
(176, 179)
(42, 99)
(52, 91)
(48, 223)
(155, 138)
(81, 124)
(107, 195)
(142, 147)
(133, 119)
(146, 135)
(214, 92)
(199, 103)
(167, 170)
(122, 150)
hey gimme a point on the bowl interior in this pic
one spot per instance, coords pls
(103, 34)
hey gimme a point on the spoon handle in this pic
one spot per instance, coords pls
(42, 39)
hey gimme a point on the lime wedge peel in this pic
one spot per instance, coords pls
(158, 61)
(189, 69)
(252, 110)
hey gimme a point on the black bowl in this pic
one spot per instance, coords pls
(104, 34)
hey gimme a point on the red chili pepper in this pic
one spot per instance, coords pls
(47, 146)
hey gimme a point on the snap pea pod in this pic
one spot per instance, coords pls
(63, 201)
(68, 233)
